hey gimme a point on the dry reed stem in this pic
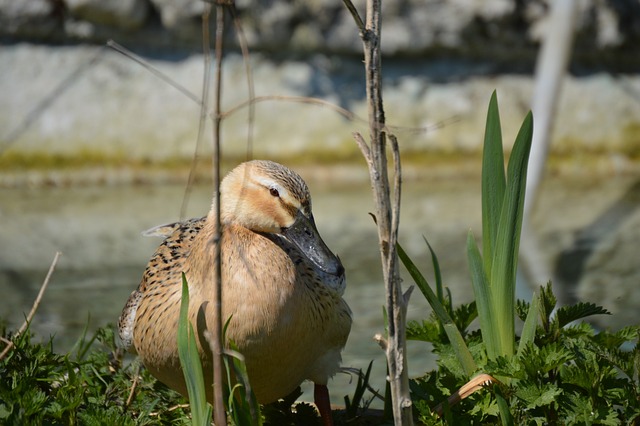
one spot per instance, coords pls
(479, 382)
(219, 413)
(129, 54)
(34, 308)
(134, 385)
(175, 407)
(387, 210)
(250, 103)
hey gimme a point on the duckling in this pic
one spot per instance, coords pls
(282, 288)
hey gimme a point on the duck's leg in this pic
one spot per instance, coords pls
(321, 398)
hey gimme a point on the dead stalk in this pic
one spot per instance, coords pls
(134, 385)
(219, 413)
(387, 210)
(34, 308)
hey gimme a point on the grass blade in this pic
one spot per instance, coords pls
(190, 362)
(503, 407)
(530, 323)
(457, 341)
(505, 257)
(482, 292)
(436, 272)
(493, 183)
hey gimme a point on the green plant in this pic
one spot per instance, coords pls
(87, 386)
(560, 373)
(190, 363)
(240, 403)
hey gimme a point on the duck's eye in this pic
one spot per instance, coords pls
(274, 192)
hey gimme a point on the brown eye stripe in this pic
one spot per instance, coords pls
(292, 210)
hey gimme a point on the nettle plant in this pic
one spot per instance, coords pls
(558, 370)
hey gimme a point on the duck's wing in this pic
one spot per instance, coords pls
(178, 237)
(165, 230)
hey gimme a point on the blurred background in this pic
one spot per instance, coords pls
(97, 146)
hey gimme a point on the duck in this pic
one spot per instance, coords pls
(282, 289)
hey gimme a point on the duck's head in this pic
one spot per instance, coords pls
(267, 197)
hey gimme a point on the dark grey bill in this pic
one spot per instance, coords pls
(304, 235)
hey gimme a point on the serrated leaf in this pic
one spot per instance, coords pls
(567, 314)
(577, 376)
(615, 340)
(505, 367)
(539, 361)
(464, 315)
(522, 308)
(547, 304)
(426, 331)
(538, 396)
(580, 410)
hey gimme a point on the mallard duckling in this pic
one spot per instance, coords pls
(281, 286)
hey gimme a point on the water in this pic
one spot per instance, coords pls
(98, 231)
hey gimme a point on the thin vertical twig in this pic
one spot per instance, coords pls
(387, 213)
(204, 109)
(34, 307)
(244, 47)
(219, 413)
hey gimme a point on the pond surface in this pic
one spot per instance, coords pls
(98, 231)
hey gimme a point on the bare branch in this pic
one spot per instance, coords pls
(34, 308)
(153, 70)
(407, 295)
(219, 413)
(364, 148)
(381, 341)
(356, 16)
(300, 99)
(387, 214)
(342, 111)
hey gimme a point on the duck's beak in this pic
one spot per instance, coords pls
(304, 235)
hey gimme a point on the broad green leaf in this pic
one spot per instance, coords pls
(482, 291)
(456, 339)
(190, 362)
(493, 182)
(505, 256)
